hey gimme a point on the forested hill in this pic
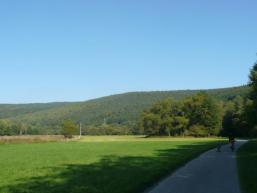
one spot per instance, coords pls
(121, 109)
(13, 110)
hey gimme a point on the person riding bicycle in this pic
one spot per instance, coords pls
(232, 142)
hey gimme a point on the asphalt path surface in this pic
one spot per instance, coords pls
(212, 172)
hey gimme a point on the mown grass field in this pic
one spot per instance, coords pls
(94, 164)
(247, 165)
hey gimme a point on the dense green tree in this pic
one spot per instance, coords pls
(177, 120)
(5, 127)
(152, 119)
(201, 109)
(234, 121)
(178, 125)
(151, 123)
(165, 118)
(69, 128)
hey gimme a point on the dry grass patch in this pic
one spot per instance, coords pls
(30, 139)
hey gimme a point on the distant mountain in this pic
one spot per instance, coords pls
(121, 109)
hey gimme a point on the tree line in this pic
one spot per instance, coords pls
(8, 128)
(202, 115)
(69, 128)
(199, 115)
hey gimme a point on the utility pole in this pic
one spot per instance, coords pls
(80, 130)
(104, 126)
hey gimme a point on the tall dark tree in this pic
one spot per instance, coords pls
(251, 108)
(234, 122)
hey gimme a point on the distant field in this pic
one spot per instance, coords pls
(247, 164)
(94, 164)
(30, 139)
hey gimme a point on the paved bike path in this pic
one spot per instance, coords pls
(212, 172)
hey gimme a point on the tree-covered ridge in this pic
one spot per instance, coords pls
(120, 111)
(13, 110)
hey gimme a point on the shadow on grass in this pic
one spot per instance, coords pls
(111, 174)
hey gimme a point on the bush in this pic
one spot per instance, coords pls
(198, 131)
(253, 132)
(68, 129)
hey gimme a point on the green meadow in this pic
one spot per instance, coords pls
(95, 164)
(247, 159)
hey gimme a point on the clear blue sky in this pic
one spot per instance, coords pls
(69, 50)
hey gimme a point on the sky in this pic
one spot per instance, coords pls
(75, 50)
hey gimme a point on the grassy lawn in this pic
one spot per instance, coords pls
(94, 165)
(247, 164)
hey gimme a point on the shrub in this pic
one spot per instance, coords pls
(68, 129)
(198, 131)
